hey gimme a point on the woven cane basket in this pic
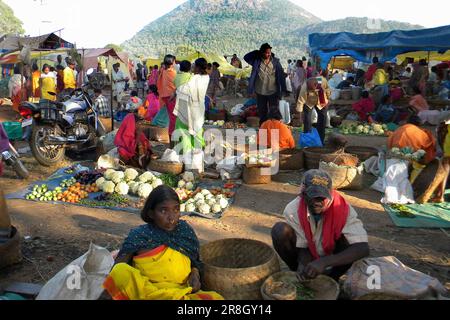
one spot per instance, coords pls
(325, 288)
(341, 159)
(253, 175)
(10, 252)
(314, 155)
(291, 159)
(343, 177)
(346, 95)
(363, 153)
(236, 268)
(165, 167)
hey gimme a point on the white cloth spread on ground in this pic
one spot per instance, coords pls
(190, 106)
(398, 189)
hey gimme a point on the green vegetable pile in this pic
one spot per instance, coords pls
(170, 180)
(304, 293)
(66, 183)
(43, 194)
(403, 211)
(106, 200)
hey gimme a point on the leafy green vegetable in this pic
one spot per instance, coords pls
(170, 180)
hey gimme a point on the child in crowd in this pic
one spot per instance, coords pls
(386, 112)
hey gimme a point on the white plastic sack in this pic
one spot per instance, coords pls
(82, 279)
(288, 85)
(194, 161)
(390, 277)
(170, 156)
(109, 161)
(237, 110)
(314, 116)
(285, 110)
(231, 168)
(397, 187)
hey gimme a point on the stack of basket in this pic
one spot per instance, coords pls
(257, 174)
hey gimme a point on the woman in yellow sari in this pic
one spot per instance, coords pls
(35, 80)
(47, 83)
(163, 256)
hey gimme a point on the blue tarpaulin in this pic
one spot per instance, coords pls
(386, 45)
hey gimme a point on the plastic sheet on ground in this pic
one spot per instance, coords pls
(430, 216)
(55, 180)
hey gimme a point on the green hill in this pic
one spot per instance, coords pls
(9, 23)
(239, 26)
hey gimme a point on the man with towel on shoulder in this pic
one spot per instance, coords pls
(322, 233)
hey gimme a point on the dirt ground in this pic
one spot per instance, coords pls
(58, 234)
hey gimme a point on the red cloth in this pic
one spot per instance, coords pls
(126, 139)
(370, 72)
(363, 107)
(334, 221)
(396, 94)
(170, 104)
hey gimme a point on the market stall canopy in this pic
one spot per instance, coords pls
(431, 56)
(48, 41)
(385, 45)
(91, 56)
(14, 57)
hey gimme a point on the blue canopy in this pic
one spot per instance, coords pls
(385, 45)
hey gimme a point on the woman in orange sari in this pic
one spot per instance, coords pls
(159, 260)
(166, 89)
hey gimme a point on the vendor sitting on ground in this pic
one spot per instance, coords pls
(322, 233)
(431, 183)
(132, 144)
(134, 103)
(159, 260)
(418, 102)
(386, 112)
(152, 103)
(365, 106)
(411, 135)
(346, 84)
(286, 140)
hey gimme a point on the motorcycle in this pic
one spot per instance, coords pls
(10, 156)
(55, 126)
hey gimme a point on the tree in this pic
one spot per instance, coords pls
(116, 47)
(9, 23)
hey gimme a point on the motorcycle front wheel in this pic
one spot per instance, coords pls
(46, 155)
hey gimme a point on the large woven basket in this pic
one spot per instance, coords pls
(341, 159)
(363, 153)
(10, 252)
(291, 159)
(253, 175)
(154, 133)
(324, 287)
(314, 155)
(236, 268)
(344, 177)
(165, 167)
(217, 116)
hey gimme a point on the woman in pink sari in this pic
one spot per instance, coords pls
(166, 89)
(152, 103)
(153, 76)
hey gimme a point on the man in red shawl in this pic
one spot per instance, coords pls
(322, 233)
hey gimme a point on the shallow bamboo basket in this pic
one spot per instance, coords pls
(165, 167)
(324, 287)
(236, 268)
(253, 175)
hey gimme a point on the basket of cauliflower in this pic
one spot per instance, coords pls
(407, 154)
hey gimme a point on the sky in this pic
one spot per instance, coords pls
(96, 23)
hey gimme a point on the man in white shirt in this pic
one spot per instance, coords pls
(322, 233)
(119, 81)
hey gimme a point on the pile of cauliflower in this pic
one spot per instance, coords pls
(187, 181)
(260, 159)
(373, 129)
(128, 182)
(408, 153)
(205, 202)
(219, 123)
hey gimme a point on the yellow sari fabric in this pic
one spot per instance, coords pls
(48, 85)
(161, 274)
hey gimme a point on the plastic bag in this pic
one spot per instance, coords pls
(237, 110)
(389, 277)
(170, 156)
(310, 139)
(82, 279)
(162, 118)
(194, 161)
(285, 110)
(397, 187)
(314, 116)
